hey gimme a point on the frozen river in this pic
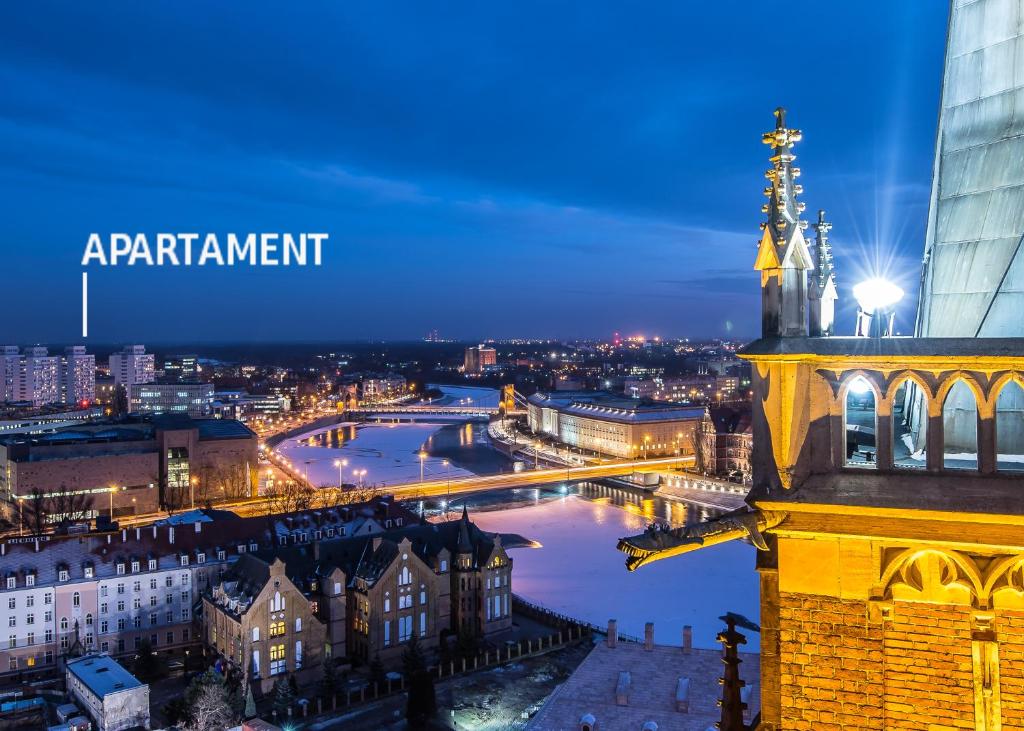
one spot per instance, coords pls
(579, 572)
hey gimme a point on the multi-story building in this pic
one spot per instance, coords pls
(39, 378)
(615, 426)
(131, 467)
(729, 442)
(477, 358)
(10, 373)
(362, 595)
(382, 388)
(78, 376)
(193, 399)
(132, 367)
(113, 592)
(181, 369)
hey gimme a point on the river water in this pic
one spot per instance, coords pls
(576, 570)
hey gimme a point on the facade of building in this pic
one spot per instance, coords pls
(615, 426)
(180, 369)
(78, 376)
(10, 373)
(132, 367)
(891, 572)
(133, 467)
(114, 592)
(729, 443)
(114, 698)
(382, 388)
(477, 358)
(367, 592)
(193, 399)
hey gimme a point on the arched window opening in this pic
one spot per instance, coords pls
(909, 425)
(1010, 428)
(960, 429)
(859, 416)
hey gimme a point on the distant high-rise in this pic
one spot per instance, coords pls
(10, 372)
(39, 377)
(181, 369)
(973, 283)
(132, 367)
(478, 357)
(78, 375)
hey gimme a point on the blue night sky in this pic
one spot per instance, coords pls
(486, 169)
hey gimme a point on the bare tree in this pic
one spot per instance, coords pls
(33, 512)
(211, 710)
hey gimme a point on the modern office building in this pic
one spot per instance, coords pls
(129, 468)
(477, 358)
(10, 372)
(132, 367)
(78, 376)
(180, 369)
(114, 698)
(615, 426)
(193, 399)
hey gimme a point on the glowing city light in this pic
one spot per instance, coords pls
(877, 294)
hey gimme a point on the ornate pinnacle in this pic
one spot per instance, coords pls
(823, 251)
(783, 208)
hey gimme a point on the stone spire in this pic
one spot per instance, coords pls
(782, 256)
(823, 293)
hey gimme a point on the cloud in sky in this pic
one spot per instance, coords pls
(486, 170)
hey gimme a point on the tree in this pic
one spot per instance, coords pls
(284, 696)
(421, 705)
(413, 660)
(211, 709)
(328, 678)
(376, 671)
(148, 666)
(250, 703)
(33, 512)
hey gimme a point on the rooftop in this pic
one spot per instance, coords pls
(898, 347)
(654, 678)
(102, 675)
(605, 406)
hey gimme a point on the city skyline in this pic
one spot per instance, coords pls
(583, 174)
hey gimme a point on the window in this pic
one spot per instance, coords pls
(184, 560)
(152, 619)
(12, 603)
(184, 615)
(120, 606)
(277, 629)
(277, 603)
(169, 617)
(497, 606)
(120, 623)
(135, 566)
(48, 616)
(103, 608)
(47, 598)
(103, 590)
(137, 642)
(387, 633)
(12, 641)
(298, 654)
(423, 595)
(298, 624)
(12, 582)
(444, 565)
(404, 628)
(255, 634)
(152, 583)
(860, 428)
(119, 569)
(169, 599)
(1010, 428)
(256, 663)
(30, 580)
(137, 621)
(405, 601)
(88, 620)
(30, 639)
(184, 578)
(152, 564)
(63, 624)
(404, 576)
(62, 575)
(104, 647)
(277, 660)
(960, 428)
(48, 636)
(120, 588)
(423, 624)
(387, 602)
(184, 633)
(137, 586)
(169, 581)
(170, 638)
(104, 626)
(184, 596)
(200, 558)
(76, 599)
(31, 619)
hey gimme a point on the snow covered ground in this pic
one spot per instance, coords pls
(579, 572)
(479, 396)
(388, 452)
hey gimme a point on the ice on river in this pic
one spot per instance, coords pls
(388, 452)
(579, 572)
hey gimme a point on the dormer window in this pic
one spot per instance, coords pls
(317, 535)
(283, 540)
(88, 572)
(152, 564)
(330, 532)
(135, 566)
(221, 555)
(30, 580)
(254, 547)
(11, 582)
(201, 558)
(241, 548)
(63, 575)
(120, 568)
(184, 560)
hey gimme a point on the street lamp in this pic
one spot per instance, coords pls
(192, 492)
(110, 494)
(422, 455)
(448, 470)
(340, 463)
(877, 299)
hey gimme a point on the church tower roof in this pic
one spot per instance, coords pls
(782, 243)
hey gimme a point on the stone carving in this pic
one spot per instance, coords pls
(952, 577)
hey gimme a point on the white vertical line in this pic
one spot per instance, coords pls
(85, 304)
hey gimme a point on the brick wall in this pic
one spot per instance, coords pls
(830, 657)
(1010, 633)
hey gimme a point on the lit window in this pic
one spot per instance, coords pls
(277, 660)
